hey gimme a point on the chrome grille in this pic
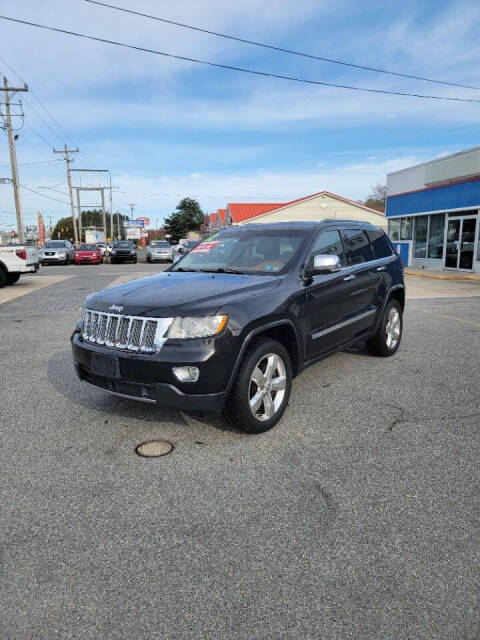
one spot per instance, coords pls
(130, 333)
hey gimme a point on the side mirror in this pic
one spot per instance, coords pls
(326, 263)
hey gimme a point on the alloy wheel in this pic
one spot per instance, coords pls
(267, 386)
(393, 328)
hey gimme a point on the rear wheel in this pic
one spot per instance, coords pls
(12, 278)
(389, 334)
(262, 387)
(3, 277)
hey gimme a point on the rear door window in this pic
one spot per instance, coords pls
(381, 247)
(358, 246)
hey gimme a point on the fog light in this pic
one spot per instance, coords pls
(186, 374)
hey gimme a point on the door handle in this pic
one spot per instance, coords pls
(381, 268)
(350, 277)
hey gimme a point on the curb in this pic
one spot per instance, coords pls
(443, 276)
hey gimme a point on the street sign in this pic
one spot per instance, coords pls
(146, 221)
(134, 224)
(133, 233)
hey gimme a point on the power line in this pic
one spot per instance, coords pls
(281, 49)
(43, 195)
(44, 107)
(240, 69)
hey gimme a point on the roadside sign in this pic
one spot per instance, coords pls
(146, 221)
(133, 224)
(144, 234)
(132, 233)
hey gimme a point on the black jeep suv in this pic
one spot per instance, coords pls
(123, 251)
(229, 325)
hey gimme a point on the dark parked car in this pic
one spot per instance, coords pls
(229, 325)
(123, 251)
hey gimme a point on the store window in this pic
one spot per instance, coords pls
(406, 229)
(435, 236)
(420, 239)
(394, 229)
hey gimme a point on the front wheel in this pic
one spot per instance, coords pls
(262, 387)
(389, 333)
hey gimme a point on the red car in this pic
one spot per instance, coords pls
(88, 253)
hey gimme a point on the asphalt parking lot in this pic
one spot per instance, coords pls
(356, 517)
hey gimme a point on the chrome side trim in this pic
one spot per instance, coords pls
(336, 327)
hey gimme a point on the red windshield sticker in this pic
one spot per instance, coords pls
(205, 247)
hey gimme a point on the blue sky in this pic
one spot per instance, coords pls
(169, 129)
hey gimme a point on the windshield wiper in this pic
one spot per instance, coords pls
(186, 269)
(222, 270)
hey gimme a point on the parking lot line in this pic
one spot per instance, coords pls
(29, 284)
(444, 315)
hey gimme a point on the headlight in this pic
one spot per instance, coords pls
(197, 327)
(61, 254)
(113, 251)
(133, 251)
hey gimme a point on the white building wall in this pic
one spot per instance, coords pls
(456, 166)
(319, 208)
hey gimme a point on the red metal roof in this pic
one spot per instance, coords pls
(213, 220)
(242, 211)
(221, 213)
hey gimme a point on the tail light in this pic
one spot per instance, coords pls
(21, 253)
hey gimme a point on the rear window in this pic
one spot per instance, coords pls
(358, 246)
(381, 247)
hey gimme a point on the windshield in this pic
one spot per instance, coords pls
(162, 244)
(87, 247)
(123, 245)
(55, 244)
(244, 251)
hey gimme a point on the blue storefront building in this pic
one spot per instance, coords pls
(433, 212)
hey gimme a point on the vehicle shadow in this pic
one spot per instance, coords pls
(61, 374)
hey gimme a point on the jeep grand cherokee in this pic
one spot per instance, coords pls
(229, 325)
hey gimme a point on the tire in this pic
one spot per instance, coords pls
(262, 353)
(3, 277)
(112, 261)
(135, 261)
(12, 278)
(149, 259)
(389, 333)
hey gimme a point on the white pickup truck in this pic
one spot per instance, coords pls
(16, 259)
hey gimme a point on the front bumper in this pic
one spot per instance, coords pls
(53, 259)
(150, 377)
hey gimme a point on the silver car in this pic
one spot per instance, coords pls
(159, 251)
(57, 252)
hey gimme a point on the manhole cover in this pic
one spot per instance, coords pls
(154, 448)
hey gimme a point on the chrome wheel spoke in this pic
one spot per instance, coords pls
(258, 377)
(268, 405)
(279, 383)
(272, 364)
(256, 401)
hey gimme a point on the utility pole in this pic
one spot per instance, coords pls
(66, 151)
(13, 156)
(132, 207)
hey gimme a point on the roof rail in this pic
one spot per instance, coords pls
(347, 221)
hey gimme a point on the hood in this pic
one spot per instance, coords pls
(183, 294)
(90, 252)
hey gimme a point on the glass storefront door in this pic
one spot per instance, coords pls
(460, 243)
